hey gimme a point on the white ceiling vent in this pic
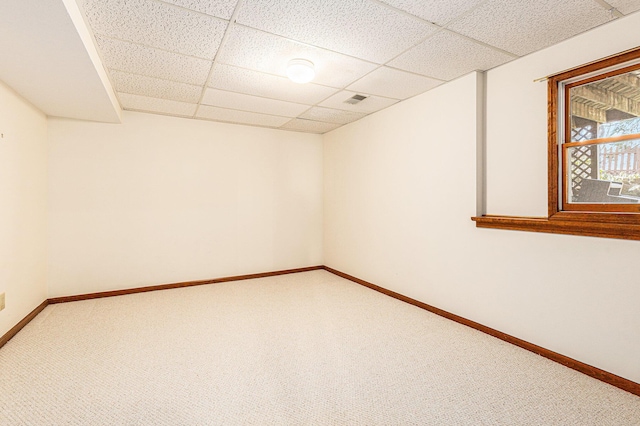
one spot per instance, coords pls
(355, 99)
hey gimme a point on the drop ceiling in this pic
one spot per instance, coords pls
(226, 60)
(48, 57)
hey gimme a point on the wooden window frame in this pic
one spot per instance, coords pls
(588, 221)
(557, 80)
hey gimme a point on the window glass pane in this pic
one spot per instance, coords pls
(606, 108)
(606, 173)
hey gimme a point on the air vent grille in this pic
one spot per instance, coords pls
(355, 99)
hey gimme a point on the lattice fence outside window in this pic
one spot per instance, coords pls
(584, 159)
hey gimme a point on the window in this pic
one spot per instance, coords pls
(593, 153)
(599, 120)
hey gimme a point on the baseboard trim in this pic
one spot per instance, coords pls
(102, 294)
(587, 369)
(9, 334)
(26, 320)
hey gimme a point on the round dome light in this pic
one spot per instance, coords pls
(300, 71)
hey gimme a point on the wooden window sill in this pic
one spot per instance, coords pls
(628, 228)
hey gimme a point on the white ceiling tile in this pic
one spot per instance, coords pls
(242, 80)
(438, 11)
(393, 83)
(220, 8)
(525, 26)
(157, 24)
(242, 117)
(447, 55)
(240, 101)
(359, 28)
(310, 126)
(137, 59)
(331, 115)
(371, 104)
(155, 87)
(144, 103)
(625, 6)
(249, 48)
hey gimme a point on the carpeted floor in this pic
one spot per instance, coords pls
(302, 349)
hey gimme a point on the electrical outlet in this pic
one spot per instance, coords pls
(1, 301)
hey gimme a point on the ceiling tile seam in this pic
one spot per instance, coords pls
(615, 13)
(303, 131)
(245, 110)
(378, 65)
(466, 13)
(124, 92)
(225, 37)
(308, 109)
(317, 104)
(506, 52)
(274, 75)
(300, 131)
(397, 69)
(376, 111)
(307, 44)
(256, 96)
(418, 43)
(237, 122)
(157, 48)
(328, 122)
(437, 31)
(177, 6)
(315, 121)
(145, 111)
(270, 98)
(490, 46)
(431, 22)
(213, 64)
(234, 122)
(214, 87)
(293, 118)
(360, 78)
(545, 78)
(415, 73)
(336, 90)
(404, 12)
(168, 80)
(207, 119)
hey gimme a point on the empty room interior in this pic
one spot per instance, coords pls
(298, 212)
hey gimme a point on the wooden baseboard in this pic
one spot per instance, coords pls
(4, 339)
(587, 369)
(177, 285)
(9, 334)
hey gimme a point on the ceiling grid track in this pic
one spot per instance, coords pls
(417, 47)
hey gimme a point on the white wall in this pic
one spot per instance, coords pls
(400, 190)
(517, 115)
(159, 200)
(23, 221)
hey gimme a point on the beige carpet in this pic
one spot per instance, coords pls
(303, 349)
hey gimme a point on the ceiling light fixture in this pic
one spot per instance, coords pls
(300, 71)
